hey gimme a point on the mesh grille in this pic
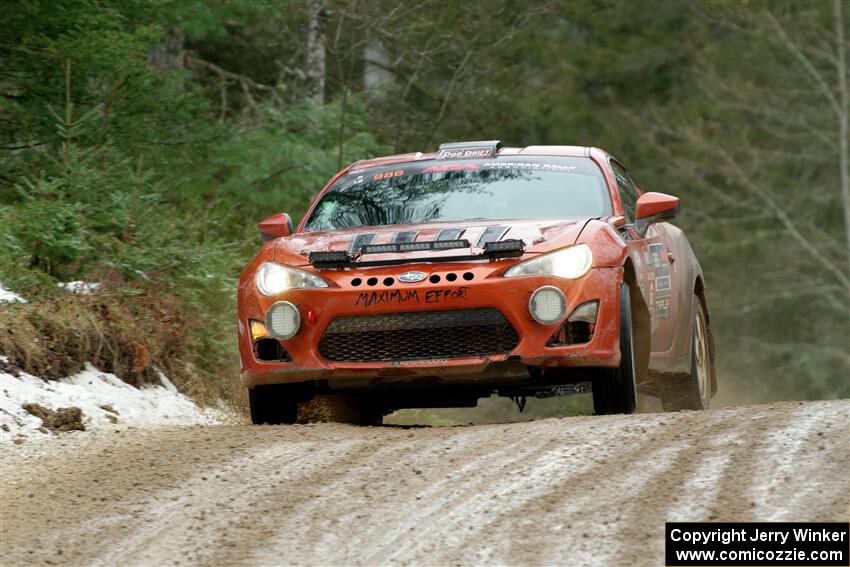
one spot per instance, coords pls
(418, 336)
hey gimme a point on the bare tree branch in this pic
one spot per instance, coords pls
(844, 158)
(242, 80)
(782, 216)
(449, 91)
(805, 62)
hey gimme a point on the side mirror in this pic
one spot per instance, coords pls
(275, 226)
(654, 207)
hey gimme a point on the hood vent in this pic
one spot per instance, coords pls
(491, 234)
(449, 234)
(364, 241)
(407, 236)
(360, 241)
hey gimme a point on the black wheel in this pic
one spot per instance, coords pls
(617, 391)
(340, 408)
(272, 404)
(694, 390)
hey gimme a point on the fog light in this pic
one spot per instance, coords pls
(283, 320)
(258, 330)
(585, 313)
(547, 305)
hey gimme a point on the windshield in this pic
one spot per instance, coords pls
(435, 191)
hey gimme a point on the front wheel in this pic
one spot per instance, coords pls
(340, 408)
(273, 404)
(617, 391)
(293, 403)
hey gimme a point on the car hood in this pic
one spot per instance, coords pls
(538, 236)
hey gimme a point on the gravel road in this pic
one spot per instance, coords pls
(577, 491)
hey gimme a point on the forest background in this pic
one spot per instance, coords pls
(141, 141)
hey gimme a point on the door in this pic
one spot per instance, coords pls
(651, 257)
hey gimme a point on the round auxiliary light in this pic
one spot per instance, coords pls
(547, 305)
(283, 320)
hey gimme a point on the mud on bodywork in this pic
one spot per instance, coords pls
(382, 273)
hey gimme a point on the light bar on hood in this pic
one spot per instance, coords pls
(340, 259)
(331, 259)
(513, 248)
(396, 247)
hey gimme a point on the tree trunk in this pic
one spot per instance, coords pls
(376, 62)
(315, 52)
(169, 54)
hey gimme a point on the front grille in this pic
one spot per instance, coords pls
(418, 336)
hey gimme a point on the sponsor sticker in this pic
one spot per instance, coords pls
(450, 167)
(388, 175)
(528, 165)
(467, 153)
(426, 361)
(663, 283)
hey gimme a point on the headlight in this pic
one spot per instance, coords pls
(569, 263)
(273, 279)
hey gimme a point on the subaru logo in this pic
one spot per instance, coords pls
(412, 277)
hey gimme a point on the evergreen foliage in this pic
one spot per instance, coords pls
(141, 141)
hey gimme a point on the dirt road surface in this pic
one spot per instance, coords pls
(577, 491)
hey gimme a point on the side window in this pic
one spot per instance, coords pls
(628, 190)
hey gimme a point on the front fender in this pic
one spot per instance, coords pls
(609, 248)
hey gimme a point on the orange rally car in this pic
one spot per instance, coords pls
(433, 280)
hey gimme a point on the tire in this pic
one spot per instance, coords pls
(617, 391)
(340, 408)
(693, 392)
(272, 404)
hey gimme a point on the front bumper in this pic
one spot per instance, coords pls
(318, 307)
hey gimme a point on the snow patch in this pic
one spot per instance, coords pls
(7, 296)
(106, 402)
(80, 287)
(166, 383)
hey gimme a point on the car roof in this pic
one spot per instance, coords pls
(566, 151)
